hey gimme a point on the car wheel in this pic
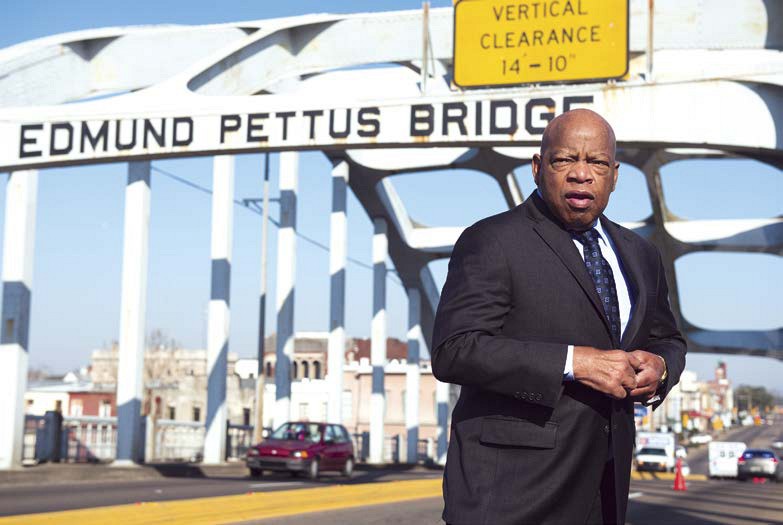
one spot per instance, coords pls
(315, 469)
(256, 472)
(348, 468)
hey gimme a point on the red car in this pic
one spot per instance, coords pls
(303, 447)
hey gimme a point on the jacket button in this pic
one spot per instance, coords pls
(606, 428)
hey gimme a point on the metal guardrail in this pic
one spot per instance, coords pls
(184, 440)
(425, 451)
(392, 447)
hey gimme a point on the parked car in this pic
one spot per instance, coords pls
(654, 459)
(758, 463)
(303, 447)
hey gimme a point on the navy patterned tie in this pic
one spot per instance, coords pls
(602, 276)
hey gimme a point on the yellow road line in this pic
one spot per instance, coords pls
(255, 506)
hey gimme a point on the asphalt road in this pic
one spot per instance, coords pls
(755, 436)
(55, 497)
(652, 502)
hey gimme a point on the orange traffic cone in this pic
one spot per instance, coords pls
(679, 479)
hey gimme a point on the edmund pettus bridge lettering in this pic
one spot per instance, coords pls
(122, 136)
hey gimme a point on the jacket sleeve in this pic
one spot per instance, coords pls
(468, 345)
(665, 339)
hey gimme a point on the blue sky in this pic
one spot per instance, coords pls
(76, 288)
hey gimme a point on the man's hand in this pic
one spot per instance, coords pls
(648, 375)
(612, 372)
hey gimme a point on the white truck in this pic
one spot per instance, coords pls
(655, 451)
(723, 456)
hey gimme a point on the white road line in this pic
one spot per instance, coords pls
(633, 495)
(275, 484)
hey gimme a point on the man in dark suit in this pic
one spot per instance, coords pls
(554, 320)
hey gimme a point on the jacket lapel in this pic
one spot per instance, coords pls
(629, 259)
(562, 244)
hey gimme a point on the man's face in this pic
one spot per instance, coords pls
(576, 170)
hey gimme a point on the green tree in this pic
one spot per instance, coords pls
(748, 397)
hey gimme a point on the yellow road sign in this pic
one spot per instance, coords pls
(500, 43)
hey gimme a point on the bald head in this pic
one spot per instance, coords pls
(577, 117)
(576, 170)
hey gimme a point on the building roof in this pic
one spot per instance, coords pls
(70, 387)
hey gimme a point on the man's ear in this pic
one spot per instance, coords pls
(616, 174)
(535, 165)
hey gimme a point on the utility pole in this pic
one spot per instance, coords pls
(260, 377)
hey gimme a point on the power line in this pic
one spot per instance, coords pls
(389, 274)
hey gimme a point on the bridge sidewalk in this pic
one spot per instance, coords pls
(57, 473)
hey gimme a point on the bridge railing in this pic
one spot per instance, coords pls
(88, 439)
(32, 440)
(94, 439)
(177, 440)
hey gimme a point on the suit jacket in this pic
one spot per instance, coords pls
(525, 446)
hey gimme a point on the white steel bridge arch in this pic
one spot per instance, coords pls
(711, 87)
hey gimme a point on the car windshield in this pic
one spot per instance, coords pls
(652, 452)
(764, 454)
(307, 432)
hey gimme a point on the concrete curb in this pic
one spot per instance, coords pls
(57, 473)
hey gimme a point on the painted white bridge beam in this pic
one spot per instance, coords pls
(219, 312)
(286, 275)
(380, 251)
(133, 313)
(442, 391)
(338, 257)
(18, 251)
(413, 375)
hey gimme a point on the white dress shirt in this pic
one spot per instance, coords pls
(623, 297)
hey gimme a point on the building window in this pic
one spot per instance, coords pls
(295, 370)
(305, 369)
(172, 412)
(269, 370)
(58, 405)
(76, 408)
(317, 369)
(105, 409)
(246, 416)
(196, 414)
(347, 405)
